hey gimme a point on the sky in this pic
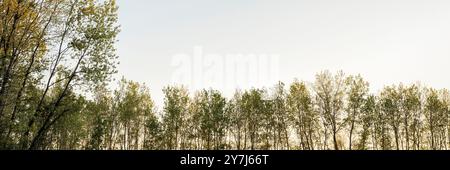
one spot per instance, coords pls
(230, 44)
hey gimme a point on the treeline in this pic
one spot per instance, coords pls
(336, 112)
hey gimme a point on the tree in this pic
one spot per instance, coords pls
(358, 89)
(66, 46)
(390, 107)
(446, 99)
(68, 132)
(21, 58)
(152, 133)
(135, 109)
(367, 120)
(237, 120)
(252, 104)
(302, 113)
(280, 114)
(435, 110)
(98, 113)
(213, 122)
(330, 91)
(410, 106)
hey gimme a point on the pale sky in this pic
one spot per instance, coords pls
(386, 41)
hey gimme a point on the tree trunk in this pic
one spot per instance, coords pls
(351, 135)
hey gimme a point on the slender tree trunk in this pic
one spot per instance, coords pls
(336, 146)
(406, 132)
(28, 70)
(351, 135)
